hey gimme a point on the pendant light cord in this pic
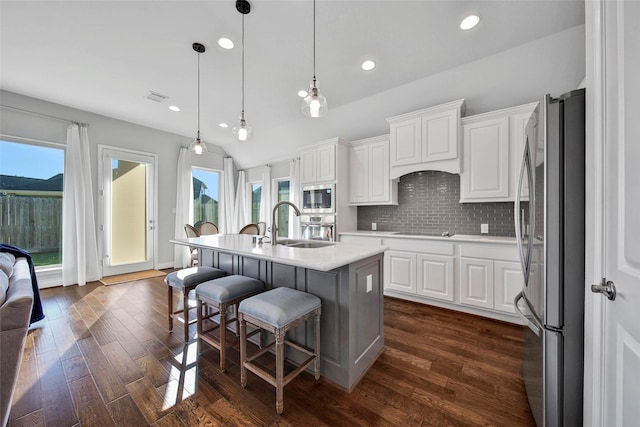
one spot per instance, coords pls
(243, 66)
(198, 94)
(314, 43)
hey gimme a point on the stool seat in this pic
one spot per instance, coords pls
(228, 288)
(191, 277)
(214, 297)
(280, 306)
(184, 281)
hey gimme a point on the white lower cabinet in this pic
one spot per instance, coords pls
(475, 277)
(490, 277)
(400, 271)
(508, 282)
(476, 282)
(434, 276)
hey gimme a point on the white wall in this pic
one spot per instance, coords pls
(553, 64)
(115, 133)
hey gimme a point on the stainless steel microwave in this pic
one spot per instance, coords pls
(319, 198)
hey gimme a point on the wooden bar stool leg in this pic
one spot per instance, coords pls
(279, 370)
(316, 362)
(170, 306)
(199, 322)
(185, 298)
(223, 335)
(243, 350)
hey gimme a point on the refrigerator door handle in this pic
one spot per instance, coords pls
(525, 260)
(533, 325)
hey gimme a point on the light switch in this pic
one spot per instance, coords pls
(369, 283)
(484, 228)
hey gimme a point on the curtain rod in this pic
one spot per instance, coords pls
(8, 107)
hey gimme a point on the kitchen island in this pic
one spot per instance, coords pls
(346, 277)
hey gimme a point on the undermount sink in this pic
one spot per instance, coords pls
(307, 244)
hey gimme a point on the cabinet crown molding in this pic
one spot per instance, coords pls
(504, 112)
(459, 104)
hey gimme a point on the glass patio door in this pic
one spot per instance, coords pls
(128, 211)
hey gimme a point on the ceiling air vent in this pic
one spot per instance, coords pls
(154, 96)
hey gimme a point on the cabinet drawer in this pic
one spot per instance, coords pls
(495, 252)
(418, 245)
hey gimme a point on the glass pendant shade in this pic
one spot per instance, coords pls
(242, 131)
(197, 146)
(314, 104)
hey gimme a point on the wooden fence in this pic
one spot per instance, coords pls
(32, 223)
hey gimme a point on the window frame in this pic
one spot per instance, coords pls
(54, 268)
(219, 189)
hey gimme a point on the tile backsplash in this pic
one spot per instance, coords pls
(429, 203)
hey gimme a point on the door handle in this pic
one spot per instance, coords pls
(606, 287)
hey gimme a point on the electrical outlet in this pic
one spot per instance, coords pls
(484, 228)
(374, 226)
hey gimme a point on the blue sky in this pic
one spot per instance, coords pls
(30, 161)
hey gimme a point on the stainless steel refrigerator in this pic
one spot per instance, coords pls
(550, 227)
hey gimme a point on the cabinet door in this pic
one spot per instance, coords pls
(476, 282)
(359, 174)
(308, 166)
(400, 271)
(508, 282)
(486, 160)
(406, 142)
(435, 276)
(378, 177)
(439, 137)
(326, 163)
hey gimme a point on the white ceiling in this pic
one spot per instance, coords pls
(105, 56)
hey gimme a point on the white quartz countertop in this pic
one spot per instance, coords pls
(455, 238)
(323, 259)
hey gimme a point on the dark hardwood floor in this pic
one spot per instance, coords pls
(103, 357)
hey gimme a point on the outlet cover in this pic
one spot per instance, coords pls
(484, 228)
(374, 226)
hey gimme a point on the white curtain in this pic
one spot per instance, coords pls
(80, 262)
(241, 213)
(184, 207)
(226, 219)
(266, 203)
(294, 197)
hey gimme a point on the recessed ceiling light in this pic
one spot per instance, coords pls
(302, 93)
(225, 43)
(174, 108)
(368, 65)
(223, 125)
(469, 22)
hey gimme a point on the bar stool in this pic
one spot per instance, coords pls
(185, 280)
(220, 294)
(278, 311)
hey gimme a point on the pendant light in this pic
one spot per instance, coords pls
(197, 146)
(242, 131)
(314, 104)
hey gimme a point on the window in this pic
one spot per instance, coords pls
(282, 193)
(206, 191)
(31, 186)
(255, 193)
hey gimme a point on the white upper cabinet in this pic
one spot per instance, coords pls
(318, 164)
(493, 144)
(486, 159)
(427, 139)
(369, 182)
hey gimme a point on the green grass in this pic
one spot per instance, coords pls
(46, 258)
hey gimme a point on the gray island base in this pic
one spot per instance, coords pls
(352, 330)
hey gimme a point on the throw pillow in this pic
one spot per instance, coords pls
(7, 261)
(4, 285)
